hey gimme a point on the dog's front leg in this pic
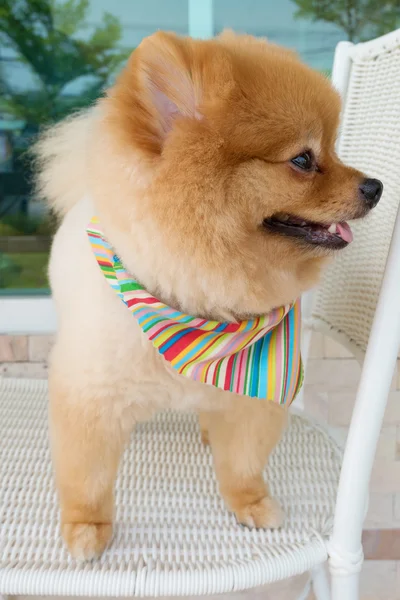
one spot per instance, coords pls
(242, 438)
(87, 439)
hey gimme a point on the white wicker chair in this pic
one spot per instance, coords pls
(173, 535)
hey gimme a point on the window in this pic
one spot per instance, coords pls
(314, 41)
(56, 56)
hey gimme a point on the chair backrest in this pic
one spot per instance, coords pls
(368, 76)
(359, 299)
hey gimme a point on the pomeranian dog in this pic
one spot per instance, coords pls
(211, 169)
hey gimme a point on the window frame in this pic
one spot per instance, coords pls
(25, 315)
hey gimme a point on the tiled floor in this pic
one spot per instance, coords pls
(332, 377)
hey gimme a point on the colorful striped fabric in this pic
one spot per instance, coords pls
(258, 358)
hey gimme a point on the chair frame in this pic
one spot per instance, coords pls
(345, 547)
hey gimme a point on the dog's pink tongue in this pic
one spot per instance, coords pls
(343, 229)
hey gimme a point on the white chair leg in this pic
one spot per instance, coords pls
(345, 587)
(345, 568)
(305, 594)
(320, 582)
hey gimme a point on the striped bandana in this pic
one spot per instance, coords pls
(258, 358)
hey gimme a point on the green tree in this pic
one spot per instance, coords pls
(47, 36)
(359, 19)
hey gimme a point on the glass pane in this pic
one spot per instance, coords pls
(56, 56)
(312, 27)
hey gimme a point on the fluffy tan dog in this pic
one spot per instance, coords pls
(212, 169)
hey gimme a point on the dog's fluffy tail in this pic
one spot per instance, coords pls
(60, 156)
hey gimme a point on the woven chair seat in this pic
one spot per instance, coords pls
(173, 535)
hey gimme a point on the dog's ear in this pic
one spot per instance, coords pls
(164, 64)
(167, 78)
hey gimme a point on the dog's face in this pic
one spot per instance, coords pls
(240, 178)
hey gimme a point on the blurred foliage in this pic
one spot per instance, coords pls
(21, 271)
(359, 19)
(21, 224)
(53, 39)
(47, 36)
(9, 270)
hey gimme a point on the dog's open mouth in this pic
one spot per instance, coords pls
(335, 236)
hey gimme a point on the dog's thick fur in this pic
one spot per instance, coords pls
(182, 161)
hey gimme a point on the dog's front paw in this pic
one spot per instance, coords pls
(265, 513)
(86, 540)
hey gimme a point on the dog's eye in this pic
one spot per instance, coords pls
(304, 161)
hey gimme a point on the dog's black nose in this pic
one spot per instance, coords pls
(371, 191)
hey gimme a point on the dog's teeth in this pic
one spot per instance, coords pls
(332, 228)
(285, 218)
(303, 223)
